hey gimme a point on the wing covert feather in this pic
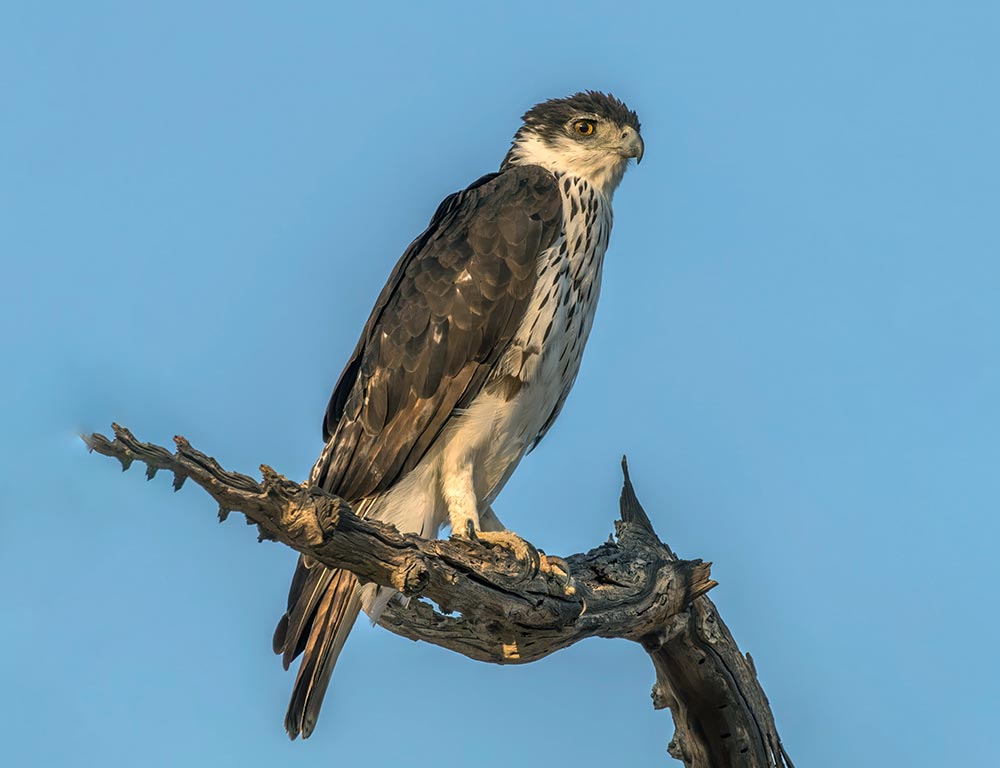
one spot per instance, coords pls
(449, 310)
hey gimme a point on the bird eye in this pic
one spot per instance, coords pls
(584, 127)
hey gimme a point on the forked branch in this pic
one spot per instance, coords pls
(489, 605)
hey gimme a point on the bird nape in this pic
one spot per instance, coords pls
(465, 362)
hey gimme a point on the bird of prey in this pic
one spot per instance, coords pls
(465, 361)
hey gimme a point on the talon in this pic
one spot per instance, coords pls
(470, 531)
(522, 550)
(558, 569)
(465, 532)
(554, 565)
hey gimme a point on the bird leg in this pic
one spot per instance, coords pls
(466, 523)
(552, 566)
(485, 528)
(459, 495)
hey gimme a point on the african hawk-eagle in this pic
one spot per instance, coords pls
(465, 361)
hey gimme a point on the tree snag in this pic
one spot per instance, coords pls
(484, 603)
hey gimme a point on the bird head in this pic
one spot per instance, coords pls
(589, 134)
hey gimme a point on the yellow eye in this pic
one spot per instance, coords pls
(584, 127)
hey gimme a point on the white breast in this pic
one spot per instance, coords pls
(559, 319)
(546, 352)
(498, 427)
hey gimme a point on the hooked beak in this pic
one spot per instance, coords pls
(632, 144)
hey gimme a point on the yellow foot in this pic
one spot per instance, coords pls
(558, 570)
(532, 561)
(525, 554)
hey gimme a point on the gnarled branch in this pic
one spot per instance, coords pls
(486, 604)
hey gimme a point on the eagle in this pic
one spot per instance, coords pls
(465, 362)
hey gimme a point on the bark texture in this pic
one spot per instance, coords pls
(514, 604)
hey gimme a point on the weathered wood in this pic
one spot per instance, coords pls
(483, 602)
(721, 715)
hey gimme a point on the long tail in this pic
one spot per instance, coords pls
(322, 607)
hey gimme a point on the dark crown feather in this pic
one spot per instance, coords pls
(550, 117)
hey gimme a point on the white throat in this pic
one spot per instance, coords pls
(604, 170)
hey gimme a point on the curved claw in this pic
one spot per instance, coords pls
(523, 551)
(558, 569)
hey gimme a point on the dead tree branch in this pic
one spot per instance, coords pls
(486, 604)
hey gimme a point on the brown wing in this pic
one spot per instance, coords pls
(442, 322)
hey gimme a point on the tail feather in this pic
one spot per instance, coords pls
(309, 585)
(320, 616)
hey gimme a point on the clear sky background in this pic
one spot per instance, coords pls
(798, 346)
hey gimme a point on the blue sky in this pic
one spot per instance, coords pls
(798, 346)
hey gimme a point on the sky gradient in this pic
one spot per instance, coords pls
(798, 346)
